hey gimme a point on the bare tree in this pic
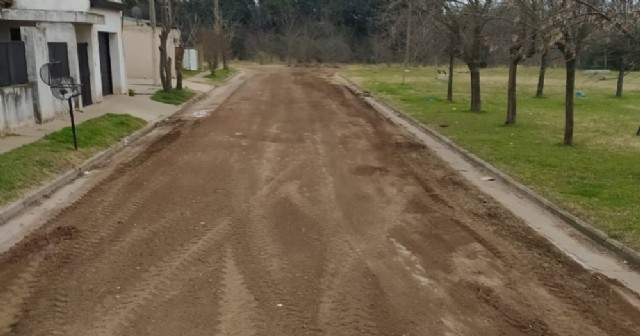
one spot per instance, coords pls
(230, 26)
(622, 17)
(572, 24)
(544, 63)
(466, 21)
(165, 60)
(524, 31)
(545, 42)
(291, 24)
(210, 48)
(453, 50)
(408, 43)
(217, 28)
(189, 23)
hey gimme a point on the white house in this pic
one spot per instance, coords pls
(85, 35)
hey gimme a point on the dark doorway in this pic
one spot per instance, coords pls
(105, 64)
(59, 56)
(85, 73)
(15, 34)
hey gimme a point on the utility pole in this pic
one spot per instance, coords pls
(154, 42)
(406, 52)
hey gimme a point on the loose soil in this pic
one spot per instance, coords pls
(294, 209)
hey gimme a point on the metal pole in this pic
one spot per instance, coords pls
(73, 124)
(154, 42)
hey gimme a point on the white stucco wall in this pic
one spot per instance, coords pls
(16, 107)
(37, 54)
(64, 32)
(61, 5)
(137, 47)
(113, 26)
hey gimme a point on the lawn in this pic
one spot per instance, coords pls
(597, 179)
(189, 73)
(221, 75)
(173, 97)
(31, 165)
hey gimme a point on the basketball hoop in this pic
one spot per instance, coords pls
(63, 88)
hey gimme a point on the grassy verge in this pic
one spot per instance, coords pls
(31, 165)
(597, 179)
(189, 73)
(173, 97)
(221, 75)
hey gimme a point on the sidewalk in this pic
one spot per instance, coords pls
(144, 86)
(140, 106)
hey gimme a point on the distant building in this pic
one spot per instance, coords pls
(85, 35)
(138, 45)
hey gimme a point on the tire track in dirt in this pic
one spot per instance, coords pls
(158, 280)
(344, 309)
(13, 297)
(64, 281)
(294, 209)
(238, 315)
(20, 284)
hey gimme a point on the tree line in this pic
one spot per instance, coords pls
(479, 33)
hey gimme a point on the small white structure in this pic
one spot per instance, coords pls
(190, 60)
(85, 35)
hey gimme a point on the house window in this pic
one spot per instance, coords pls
(60, 57)
(13, 64)
(15, 34)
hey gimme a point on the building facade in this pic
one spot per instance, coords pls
(85, 36)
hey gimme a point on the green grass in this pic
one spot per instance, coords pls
(29, 166)
(173, 97)
(189, 73)
(598, 179)
(221, 75)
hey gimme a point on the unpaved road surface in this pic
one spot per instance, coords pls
(296, 210)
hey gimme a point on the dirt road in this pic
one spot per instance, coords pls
(296, 210)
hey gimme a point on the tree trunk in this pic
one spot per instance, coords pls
(218, 33)
(450, 84)
(179, 80)
(570, 61)
(407, 46)
(620, 84)
(511, 91)
(165, 60)
(169, 73)
(165, 78)
(544, 59)
(179, 59)
(225, 66)
(476, 102)
(215, 58)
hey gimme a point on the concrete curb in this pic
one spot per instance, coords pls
(13, 209)
(583, 227)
